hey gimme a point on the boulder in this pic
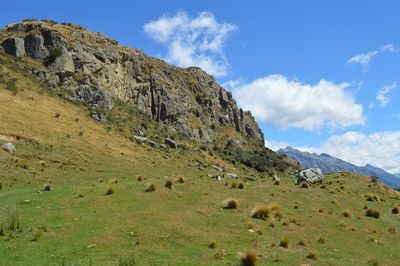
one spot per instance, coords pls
(310, 175)
(162, 146)
(275, 178)
(9, 147)
(14, 46)
(219, 169)
(34, 46)
(140, 131)
(98, 116)
(63, 63)
(171, 143)
(152, 143)
(232, 175)
(139, 139)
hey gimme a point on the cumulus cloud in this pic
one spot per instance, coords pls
(381, 149)
(382, 95)
(284, 103)
(194, 41)
(365, 59)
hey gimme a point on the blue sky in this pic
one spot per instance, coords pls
(322, 76)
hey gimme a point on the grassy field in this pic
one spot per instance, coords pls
(76, 223)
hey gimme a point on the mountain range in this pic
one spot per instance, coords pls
(329, 164)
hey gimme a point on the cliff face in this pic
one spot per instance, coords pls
(94, 69)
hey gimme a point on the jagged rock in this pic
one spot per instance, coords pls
(14, 46)
(171, 143)
(140, 139)
(34, 46)
(215, 177)
(275, 178)
(163, 146)
(310, 175)
(63, 63)
(9, 147)
(94, 96)
(141, 131)
(98, 116)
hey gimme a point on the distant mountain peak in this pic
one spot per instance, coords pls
(327, 164)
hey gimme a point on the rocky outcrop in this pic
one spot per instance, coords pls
(9, 147)
(93, 69)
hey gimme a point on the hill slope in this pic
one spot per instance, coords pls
(74, 193)
(329, 164)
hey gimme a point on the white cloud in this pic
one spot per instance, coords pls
(381, 149)
(285, 103)
(194, 41)
(382, 95)
(363, 59)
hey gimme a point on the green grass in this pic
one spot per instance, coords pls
(75, 223)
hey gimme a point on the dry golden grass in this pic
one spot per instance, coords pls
(113, 181)
(395, 210)
(46, 187)
(212, 245)
(284, 243)
(234, 185)
(261, 212)
(312, 255)
(346, 213)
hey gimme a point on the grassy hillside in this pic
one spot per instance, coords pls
(76, 223)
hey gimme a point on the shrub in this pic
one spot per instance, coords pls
(312, 255)
(395, 210)
(110, 191)
(284, 243)
(230, 203)
(248, 258)
(346, 213)
(151, 188)
(168, 184)
(47, 187)
(372, 213)
(56, 52)
(240, 186)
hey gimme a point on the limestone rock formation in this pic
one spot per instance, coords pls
(93, 69)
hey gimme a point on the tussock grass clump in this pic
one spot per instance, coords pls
(248, 258)
(320, 210)
(9, 220)
(395, 210)
(36, 234)
(264, 212)
(321, 240)
(392, 230)
(301, 243)
(312, 255)
(168, 184)
(109, 191)
(181, 180)
(346, 213)
(372, 213)
(284, 243)
(234, 185)
(230, 203)
(46, 187)
(128, 261)
(113, 181)
(1, 185)
(240, 185)
(276, 182)
(304, 185)
(139, 178)
(151, 188)
(372, 197)
(212, 245)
